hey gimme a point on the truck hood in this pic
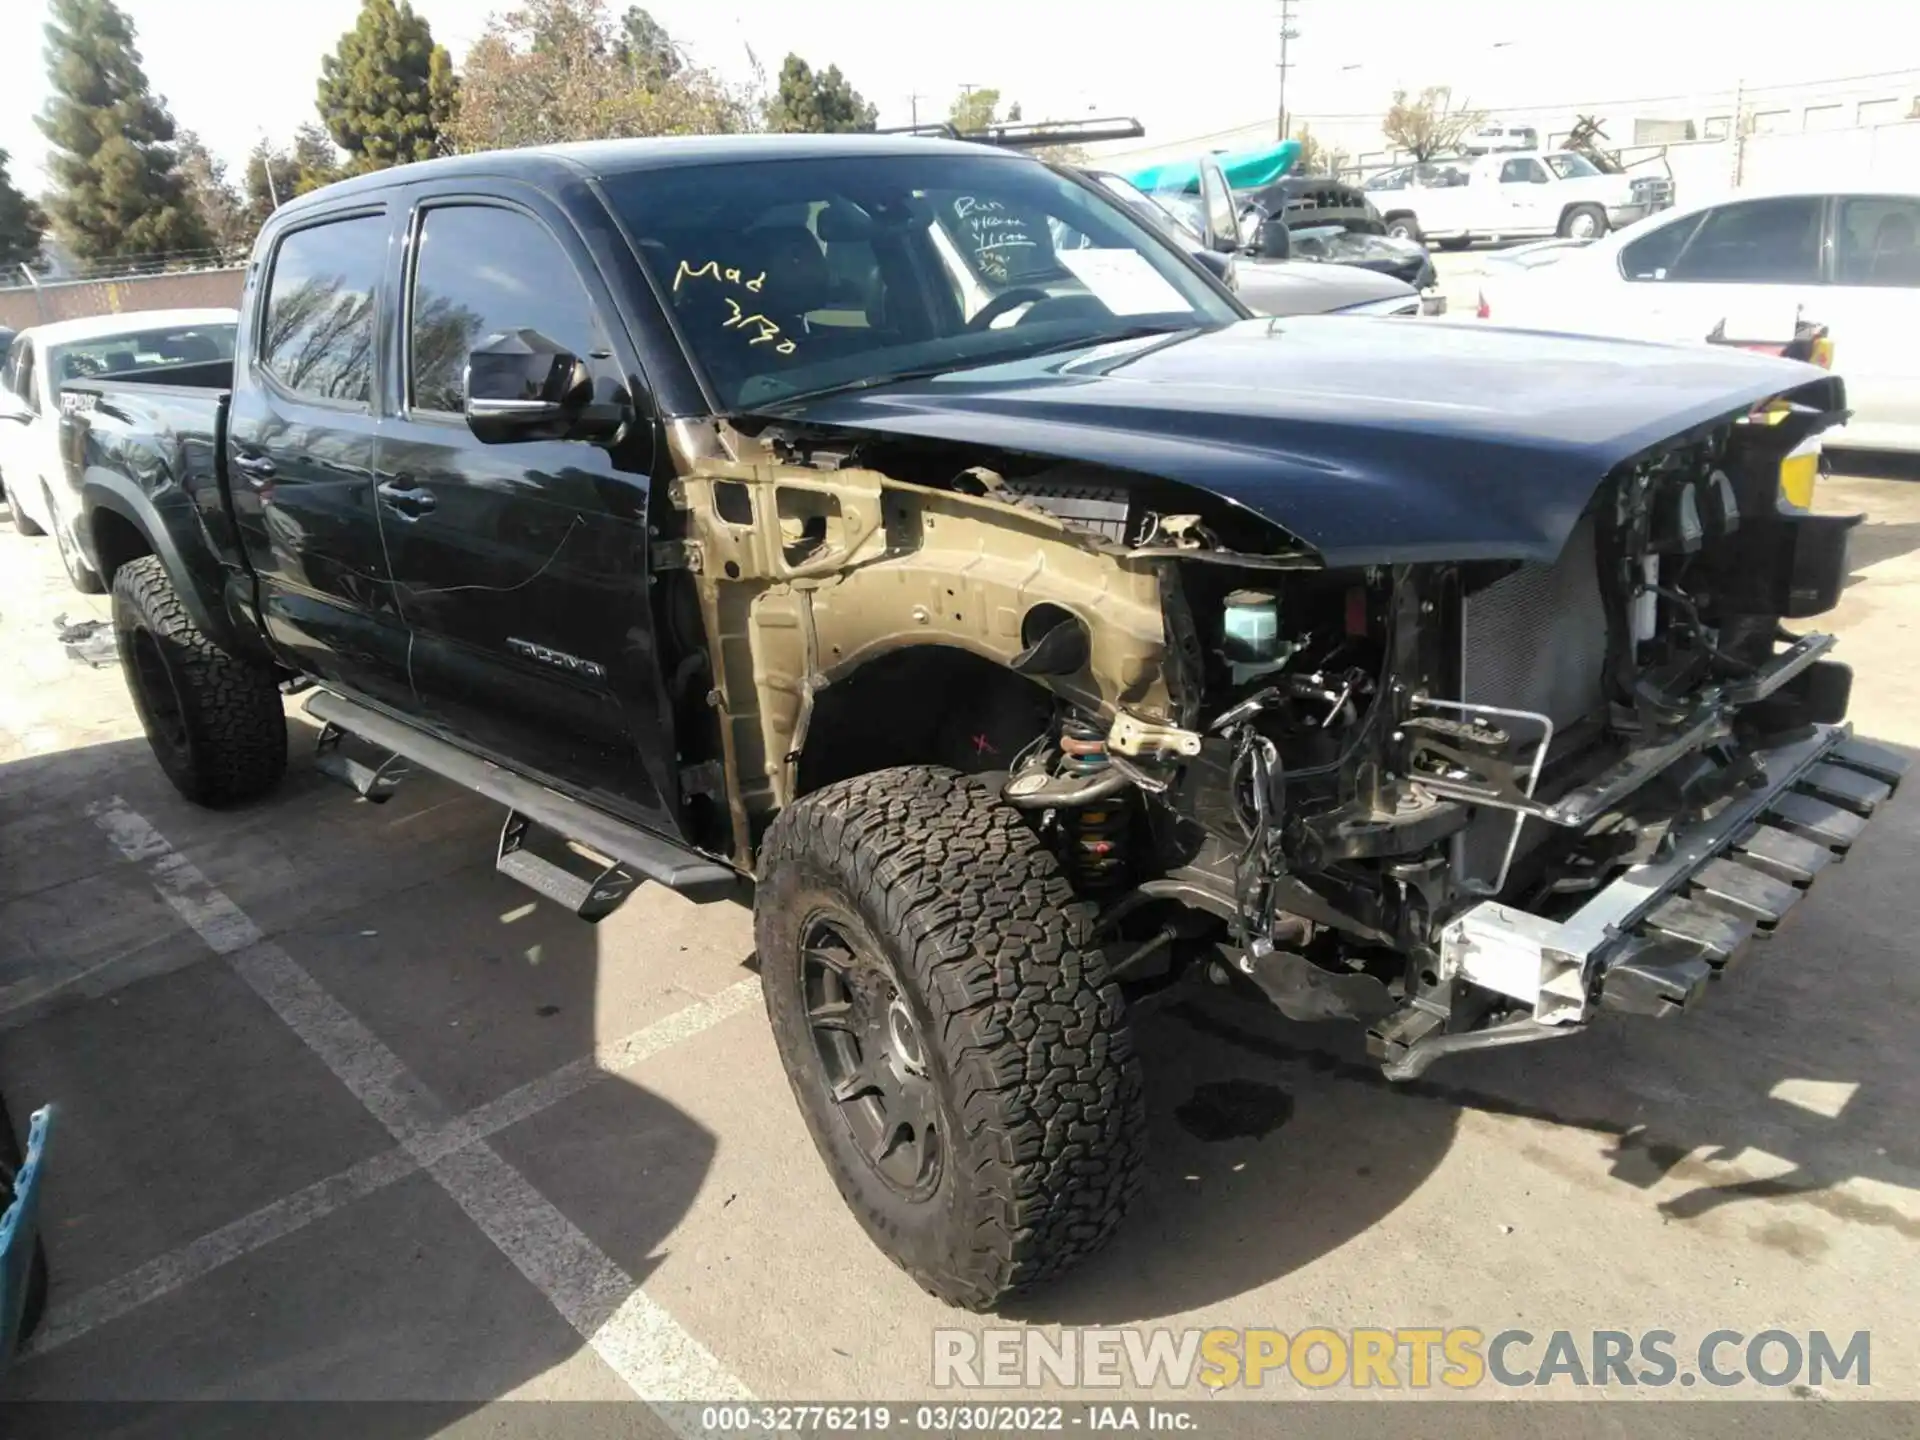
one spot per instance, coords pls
(1372, 440)
(1311, 287)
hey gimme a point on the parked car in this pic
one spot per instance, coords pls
(699, 509)
(159, 346)
(1274, 284)
(1848, 258)
(1505, 196)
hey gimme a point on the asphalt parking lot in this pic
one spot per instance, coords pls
(344, 1114)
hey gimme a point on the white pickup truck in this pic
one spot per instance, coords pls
(1508, 195)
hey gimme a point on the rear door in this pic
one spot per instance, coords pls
(521, 568)
(1873, 312)
(1760, 258)
(300, 441)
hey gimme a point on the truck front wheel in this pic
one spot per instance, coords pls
(956, 1047)
(214, 721)
(1583, 222)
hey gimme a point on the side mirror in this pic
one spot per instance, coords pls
(522, 386)
(1275, 241)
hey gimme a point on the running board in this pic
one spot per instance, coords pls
(374, 783)
(591, 897)
(639, 853)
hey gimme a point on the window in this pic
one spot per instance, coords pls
(16, 362)
(1523, 172)
(1569, 166)
(24, 386)
(480, 270)
(142, 350)
(1755, 242)
(318, 339)
(1877, 241)
(1652, 255)
(795, 276)
(1391, 179)
(1218, 199)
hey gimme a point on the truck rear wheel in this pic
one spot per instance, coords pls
(215, 722)
(83, 575)
(22, 521)
(960, 1056)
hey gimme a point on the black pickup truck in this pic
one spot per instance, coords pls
(1025, 624)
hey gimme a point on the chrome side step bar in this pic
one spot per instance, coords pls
(640, 853)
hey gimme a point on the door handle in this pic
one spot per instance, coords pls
(258, 469)
(406, 499)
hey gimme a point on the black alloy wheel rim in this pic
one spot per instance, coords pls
(157, 696)
(872, 1057)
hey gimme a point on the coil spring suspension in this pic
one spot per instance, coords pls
(1096, 833)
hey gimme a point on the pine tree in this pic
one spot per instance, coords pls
(387, 93)
(820, 102)
(116, 191)
(21, 225)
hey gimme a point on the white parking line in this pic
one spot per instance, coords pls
(73, 1318)
(638, 1339)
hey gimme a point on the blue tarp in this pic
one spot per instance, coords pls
(1246, 170)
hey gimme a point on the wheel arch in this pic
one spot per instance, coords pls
(935, 702)
(120, 523)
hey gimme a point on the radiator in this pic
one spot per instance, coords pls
(1533, 640)
(1537, 639)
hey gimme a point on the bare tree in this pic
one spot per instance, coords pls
(1428, 126)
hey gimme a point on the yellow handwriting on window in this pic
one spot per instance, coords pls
(712, 269)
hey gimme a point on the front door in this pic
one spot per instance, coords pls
(300, 455)
(521, 568)
(1527, 196)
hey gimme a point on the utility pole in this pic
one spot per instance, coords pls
(1287, 33)
(913, 102)
(1739, 131)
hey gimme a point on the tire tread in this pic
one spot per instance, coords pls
(1033, 1030)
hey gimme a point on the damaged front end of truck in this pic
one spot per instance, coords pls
(1464, 734)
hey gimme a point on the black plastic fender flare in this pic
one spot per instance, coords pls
(169, 536)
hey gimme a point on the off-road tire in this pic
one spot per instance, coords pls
(1026, 1040)
(82, 575)
(1574, 213)
(215, 721)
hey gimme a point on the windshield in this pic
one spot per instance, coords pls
(140, 350)
(1175, 227)
(1571, 167)
(789, 277)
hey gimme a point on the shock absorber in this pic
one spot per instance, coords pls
(1097, 832)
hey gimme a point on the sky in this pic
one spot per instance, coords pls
(235, 69)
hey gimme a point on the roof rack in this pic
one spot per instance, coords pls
(1023, 136)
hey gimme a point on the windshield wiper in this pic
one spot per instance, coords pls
(950, 367)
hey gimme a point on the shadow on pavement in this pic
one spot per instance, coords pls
(186, 1105)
